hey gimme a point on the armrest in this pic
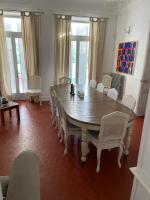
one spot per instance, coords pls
(4, 180)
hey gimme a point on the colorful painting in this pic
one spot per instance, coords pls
(126, 57)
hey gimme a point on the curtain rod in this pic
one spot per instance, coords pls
(106, 18)
(9, 10)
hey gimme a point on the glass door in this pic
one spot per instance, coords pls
(83, 63)
(21, 70)
(16, 65)
(15, 52)
(78, 68)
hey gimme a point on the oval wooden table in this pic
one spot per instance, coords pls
(87, 112)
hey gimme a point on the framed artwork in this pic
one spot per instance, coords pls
(126, 57)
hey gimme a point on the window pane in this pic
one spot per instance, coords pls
(80, 29)
(12, 24)
(72, 68)
(83, 63)
(21, 66)
(11, 64)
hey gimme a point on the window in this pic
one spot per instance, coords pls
(78, 69)
(12, 24)
(15, 51)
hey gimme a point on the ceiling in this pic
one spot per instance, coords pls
(66, 5)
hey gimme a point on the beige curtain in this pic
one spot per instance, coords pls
(62, 46)
(96, 48)
(31, 39)
(5, 85)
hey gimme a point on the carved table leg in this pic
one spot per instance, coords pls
(2, 118)
(18, 113)
(127, 141)
(84, 145)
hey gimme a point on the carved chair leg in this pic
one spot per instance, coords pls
(120, 155)
(98, 159)
(65, 140)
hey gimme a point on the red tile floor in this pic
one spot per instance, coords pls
(65, 177)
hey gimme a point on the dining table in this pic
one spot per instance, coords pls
(86, 112)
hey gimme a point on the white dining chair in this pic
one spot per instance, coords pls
(112, 93)
(56, 117)
(53, 108)
(100, 87)
(111, 135)
(66, 129)
(129, 101)
(34, 88)
(106, 80)
(92, 83)
(64, 80)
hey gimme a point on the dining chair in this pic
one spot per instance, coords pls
(64, 80)
(56, 112)
(111, 135)
(100, 87)
(92, 84)
(112, 93)
(65, 127)
(52, 106)
(129, 101)
(106, 80)
(34, 88)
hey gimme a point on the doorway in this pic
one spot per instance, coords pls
(14, 43)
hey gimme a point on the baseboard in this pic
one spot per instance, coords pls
(142, 177)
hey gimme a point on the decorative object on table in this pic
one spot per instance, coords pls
(81, 94)
(3, 101)
(72, 90)
(80, 91)
(126, 57)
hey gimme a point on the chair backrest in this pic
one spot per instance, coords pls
(62, 115)
(112, 93)
(106, 80)
(64, 80)
(92, 84)
(129, 101)
(118, 82)
(100, 87)
(34, 82)
(24, 181)
(52, 98)
(113, 126)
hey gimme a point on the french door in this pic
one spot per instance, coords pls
(16, 64)
(78, 70)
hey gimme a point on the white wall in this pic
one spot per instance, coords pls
(109, 50)
(141, 186)
(47, 54)
(137, 16)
